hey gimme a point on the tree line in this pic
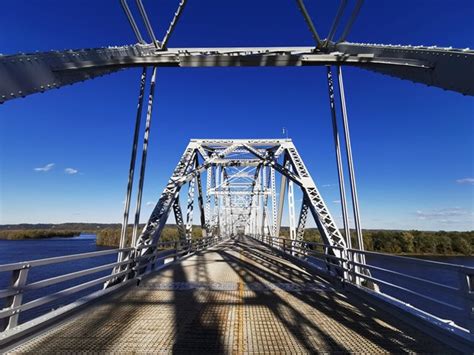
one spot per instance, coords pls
(386, 241)
(406, 242)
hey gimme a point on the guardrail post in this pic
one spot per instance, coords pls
(18, 281)
(467, 289)
(153, 260)
(176, 250)
(284, 245)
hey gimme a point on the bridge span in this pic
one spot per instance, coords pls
(240, 296)
(240, 287)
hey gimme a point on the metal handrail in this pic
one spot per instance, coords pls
(350, 269)
(59, 259)
(131, 266)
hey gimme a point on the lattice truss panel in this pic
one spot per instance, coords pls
(239, 196)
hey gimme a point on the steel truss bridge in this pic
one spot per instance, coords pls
(240, 286)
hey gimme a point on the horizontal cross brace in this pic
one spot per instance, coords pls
(242, 60)
(25, 74)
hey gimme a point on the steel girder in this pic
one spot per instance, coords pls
(239, 191)
(25, 74)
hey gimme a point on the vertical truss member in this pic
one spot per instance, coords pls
(265, 225)
(208, 220)
(291, 212)
(274, 202)
(190, 210)
(201, 204)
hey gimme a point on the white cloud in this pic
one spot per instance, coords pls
(466, 181)
(446, 215)
(336, 201)
(328, 185)
(45, 168)
(150, 203)
(71, 171)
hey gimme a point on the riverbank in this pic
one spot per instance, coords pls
(398, 242)
(45, 230)
(37, 234)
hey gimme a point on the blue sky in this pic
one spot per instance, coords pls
(412, 144)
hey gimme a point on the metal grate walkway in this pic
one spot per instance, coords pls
(238, 297)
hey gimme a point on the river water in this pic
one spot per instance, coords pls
(23, 250)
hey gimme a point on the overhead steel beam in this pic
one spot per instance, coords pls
(25, 74)
(448, 68)
(284, 59)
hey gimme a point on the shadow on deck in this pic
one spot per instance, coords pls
(239, 297)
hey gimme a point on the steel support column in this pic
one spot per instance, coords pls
(131, 171)
(281, 203)
(144, 155)
(350, 162)
(274, 202)
(190, 210)
(291, 211)
(337, 147)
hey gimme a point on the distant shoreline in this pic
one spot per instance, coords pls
(417, 255)
(30, 235)
(394, 242)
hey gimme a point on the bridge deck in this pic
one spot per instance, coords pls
(216, 301)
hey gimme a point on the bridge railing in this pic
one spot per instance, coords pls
(425, 288)
(35, 288)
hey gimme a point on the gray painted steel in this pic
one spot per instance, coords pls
(25, 74)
